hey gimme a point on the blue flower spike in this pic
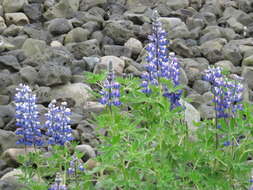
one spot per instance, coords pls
(27, 117)
(58, 124)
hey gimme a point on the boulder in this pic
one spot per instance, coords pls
(33, 47)
(11, 6)
(19, 19)
(201, 86)
(247, 74)
(248, 61)
(117, 64)
(134, 45)
(29, 74)
(87, 150)
(77, 35)
(117, 50)
(9, 62)
(8, 140)
(2, 24)
(59, 26)
(87, 4)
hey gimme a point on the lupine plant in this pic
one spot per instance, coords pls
(146, 144)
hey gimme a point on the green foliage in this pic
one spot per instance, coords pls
(148, 146)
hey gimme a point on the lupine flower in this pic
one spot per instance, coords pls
(227, 94)
(27, 117)
(75, 165)
(110, 93)
(58, 123)
(160, 65)
(57, 185)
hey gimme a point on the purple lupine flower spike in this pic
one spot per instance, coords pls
(27, 117)
(227, 93)
(58, 184)
(58, 123)
(75, 165)
(111, 91)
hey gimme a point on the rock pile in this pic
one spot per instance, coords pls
(48, 44)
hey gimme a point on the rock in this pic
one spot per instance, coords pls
(87, 4)
(246, 50)
(19, 19)
(56, 44)
(180, 48)
(84, 49)
(79, 93)
(174, 5)
(43, 94)
(87, 150)
(191, 116)
(245, 5)
(33, 47)
(91, 164)
(33, 11)
(91, 62)
(53, 74)
(59, 26)
(12, 30)
(5, 79)
(248, 61)
(11, 6)
(4, 99)
(5, 45)
(247, 74)
(91, 26)
(235, 25)
(183, 77)
(225, 64)
(10, 181)
(201, 86)
(9, 62)
(62, 9)
(175, 27)
(8, 140)
(10, 156)
(29, 74)
(2, 24)
(195, 99)
(134, 45)
(76, 35)
(206, 111)
(208, 98)
(117, 64)
(93, 107)
(212, 50)
(232, 52)
(120, 31)
(117, 50)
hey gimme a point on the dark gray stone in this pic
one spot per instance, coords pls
(33, 11)
(117, 50)
(9, 62)
(201, 86)
(59, 26)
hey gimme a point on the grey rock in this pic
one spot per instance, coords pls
(91, 26)
(5, 79)
(37, 32)
(62, 9)
(33, 11)
(11, 6)
(87, 150)
(4, 99)
(180, 48)
(19, 19)
(33, 47)
(117, 50)
(195, 99)
(59, 26)
(87, 4)
(2, 24)
(175, 27)
(9, 62)
(212, 50)
(226, 65)
(43, 94)
(8, 140)
(201, 86)
(91, 62)
(18, 42)
(117, 63)
(247, 74)
(232, 52)
(183, 77)
(235, 25)
(208, 98)
(12, 30)
(120, 31)
(79, 93)
(88, 17)
(76, 35)
(10, 185)
(52, 74)
(248, 61)
(7, 113)
(29, 74)
(134, 45)
(245, 5)
(177, 4)
(82, 49)
(206, 111)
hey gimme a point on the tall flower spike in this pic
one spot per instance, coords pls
(111, 91)
(227, 93)
(27, 117)
(58, 123)
(58, 183)
(75, 166)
